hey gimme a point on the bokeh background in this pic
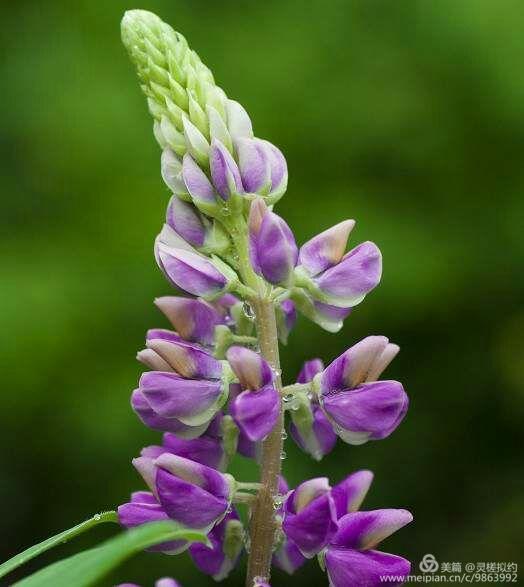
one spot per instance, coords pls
(408, 116)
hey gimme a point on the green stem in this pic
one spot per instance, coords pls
(37, 549)
(241, 485)
(263, 524)
(296, 388)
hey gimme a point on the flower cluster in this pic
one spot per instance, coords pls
(213, 384)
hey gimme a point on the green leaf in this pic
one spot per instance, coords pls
(38, 549)
(86, 568)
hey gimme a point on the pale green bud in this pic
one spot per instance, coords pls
(188, 107)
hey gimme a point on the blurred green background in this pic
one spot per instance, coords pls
(408, 116)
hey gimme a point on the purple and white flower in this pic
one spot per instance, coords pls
(335, 278)
(190, 493)
(192, 386)
(350, 558)
(273, 249)
(360, 407)
(256, 409)
(310, 516)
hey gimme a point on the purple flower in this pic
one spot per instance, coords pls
(349, 557)
(190, 493)
(333, 277)
(142, 509)
(153, 420)
(194, 320)
(190, 271)
(224, 171)
(186, 221)
(255, 410)
(206, 449)
(220, 558)
(262, 166)
(192, 401)
(360, 407)
(273, 249)
(309, 516)
(191, 389)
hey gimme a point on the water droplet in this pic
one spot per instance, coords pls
(276, 371)
(309, 395)
(295, 406)
(284, 435)
(289, 397)
(278, 500)
(226, 211)
(248, 311)
(283, 455)
(97, 517)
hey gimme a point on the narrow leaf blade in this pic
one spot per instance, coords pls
(56, 540)
(84, 569)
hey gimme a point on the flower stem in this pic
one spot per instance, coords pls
(263, 524)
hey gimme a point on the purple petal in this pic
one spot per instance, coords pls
(207, 450)
(252, 370)
(364, 530)
(170, 396)
(185, 219)
(277, 250)
(370, 411)
(288, 557)
(224, 171)
(326, 249)
(347, 567)
(193, 319)
(349, 494)
(188, 504)
(311, 525)
(357, 274)
(197, 183)
(254, 164)
(352, 367)
(187, 359)
(163, 334)
(204, 477)
(151, 419)
(309, 370)
(142, 512)
(190, 271)
(256, 412)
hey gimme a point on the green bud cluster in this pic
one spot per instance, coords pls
(188, 108)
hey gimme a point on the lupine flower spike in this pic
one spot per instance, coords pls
(212, 381)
